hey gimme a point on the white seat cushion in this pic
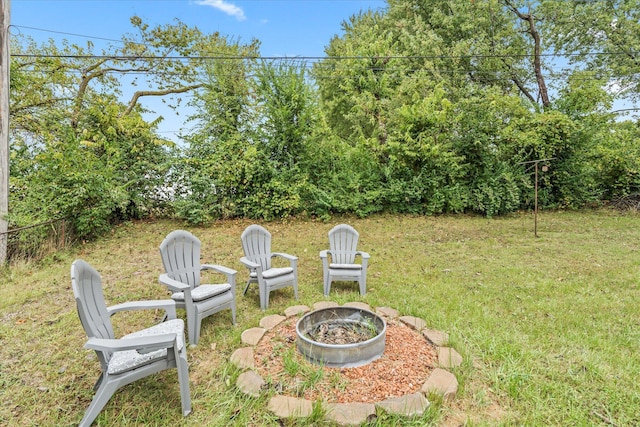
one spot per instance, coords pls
(123, 361)
(203, 292)
(346, 266)
(276, 272)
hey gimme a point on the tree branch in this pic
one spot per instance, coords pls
(139, 94)
(18, 109)
(87, 75)
(523, 89)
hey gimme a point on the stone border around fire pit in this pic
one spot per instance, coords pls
(440, 381)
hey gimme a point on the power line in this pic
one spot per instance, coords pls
(305, 58)
(312, 58)
(65, 33)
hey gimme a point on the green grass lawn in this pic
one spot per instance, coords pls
(549, 327)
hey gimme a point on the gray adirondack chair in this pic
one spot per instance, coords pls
(133, 356)
(256, 244)
(180, 252)
(339, 262)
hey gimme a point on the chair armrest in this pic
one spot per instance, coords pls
(364, 255)
(283, 255)
(228, 272)
(219, 268)
(325, 253)
(248, 263)
(172, 284)
(293, 260)
(145, 344)
(169, 306)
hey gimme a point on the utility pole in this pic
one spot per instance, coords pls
(5, 7)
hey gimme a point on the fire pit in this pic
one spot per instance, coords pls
(341, 337)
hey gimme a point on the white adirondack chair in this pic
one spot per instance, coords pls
(256, 244)
(339, 262)
(180, 252)
(133, 356)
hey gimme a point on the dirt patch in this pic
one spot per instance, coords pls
(406, 363)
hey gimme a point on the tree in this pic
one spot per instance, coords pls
(453, 96)
(287, 110)
(65, 102)
(399, 89)
(603, 36)
(247, 155)
(216, 166)
(353, 84)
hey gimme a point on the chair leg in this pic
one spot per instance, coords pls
(327, 286)
(102, 396)
(264, 295)
(183, 380)
(193, 326)
(363, 285)
(196, 330)
(233, 312)
(246, 288)
(98, 382)
(325, 277)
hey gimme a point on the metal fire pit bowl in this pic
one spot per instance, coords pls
(341, 355)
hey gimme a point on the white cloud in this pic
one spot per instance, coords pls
(226, 7)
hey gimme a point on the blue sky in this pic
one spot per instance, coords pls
(284, 27)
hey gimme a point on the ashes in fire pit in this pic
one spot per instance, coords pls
(342, 331)
(341, 337)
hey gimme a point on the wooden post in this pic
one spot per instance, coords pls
(535, 197)
(5, 6)
(535, 209)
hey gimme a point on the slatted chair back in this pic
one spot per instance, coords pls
(256, 244)
(92, 308)
(343, 242)
(180, 253)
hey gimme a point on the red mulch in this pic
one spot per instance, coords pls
(407, 361)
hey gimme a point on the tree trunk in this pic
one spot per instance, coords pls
(537, 50)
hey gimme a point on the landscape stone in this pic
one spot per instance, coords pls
(414, 322)
(407, 405)
(448, 357)
(271, 321)
(325, 304)
(388, 312)
(442, 382)
(288, 407)
(349, 414)
(252, 336)
(437, 337)
(356, 304)
(250, 383)
(243, 358)
(296, 310)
